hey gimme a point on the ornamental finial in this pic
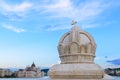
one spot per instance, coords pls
(74, 22)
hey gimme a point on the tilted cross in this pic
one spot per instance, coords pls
(74, 22)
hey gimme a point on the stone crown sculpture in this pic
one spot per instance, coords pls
(76, 51)
(76, 46)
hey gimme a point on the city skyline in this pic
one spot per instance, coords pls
(30, 30)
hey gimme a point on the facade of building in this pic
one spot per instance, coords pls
(113, 71)
(29, 72)
(5, 73)
(1, 72)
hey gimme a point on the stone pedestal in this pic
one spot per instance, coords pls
(76, 72)
(77, 52)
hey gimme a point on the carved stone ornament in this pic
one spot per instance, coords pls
(77, 52)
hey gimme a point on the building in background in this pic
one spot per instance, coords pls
(29, 72)
(113, 71)
(1, 73)
(5, 73)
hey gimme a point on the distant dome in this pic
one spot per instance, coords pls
(76, 46)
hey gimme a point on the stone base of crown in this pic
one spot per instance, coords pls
(75, 79)
(76, 72)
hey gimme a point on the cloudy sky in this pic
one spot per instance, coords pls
(30, 29)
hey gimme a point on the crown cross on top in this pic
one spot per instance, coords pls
(74, 22)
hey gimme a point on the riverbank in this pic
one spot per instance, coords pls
(44, 78)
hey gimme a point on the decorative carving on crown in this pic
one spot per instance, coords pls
(77, 52)
(76, 46)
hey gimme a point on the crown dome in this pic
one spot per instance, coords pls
(76, 46)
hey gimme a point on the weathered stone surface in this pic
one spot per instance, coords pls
(77, 52)
(76, 46)
(76, 71)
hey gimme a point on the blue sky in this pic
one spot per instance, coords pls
(30, 30)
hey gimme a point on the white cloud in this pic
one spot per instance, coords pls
(58, 8)
(86, 11)
(16, 8)
(90, 25)
(12, 10)
(98, 58)
(13, 28)
(59, 4)
(58, 27)
(65, 8)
